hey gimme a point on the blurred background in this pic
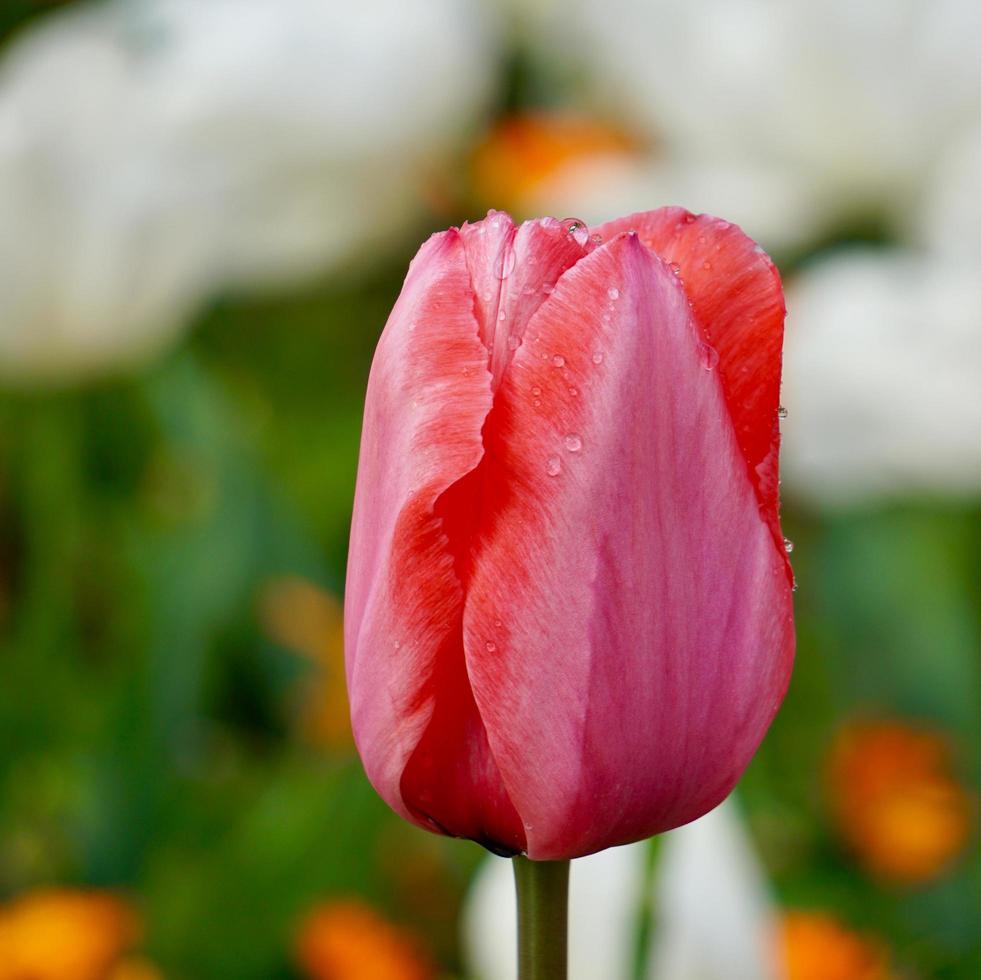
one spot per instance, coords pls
(206, 211)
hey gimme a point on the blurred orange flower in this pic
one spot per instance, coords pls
(815, 946)
(308, 620)
(348, 940)
(61, 934)
(895, 801)
(523, 153)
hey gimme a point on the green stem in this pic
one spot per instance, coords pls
(543, 898)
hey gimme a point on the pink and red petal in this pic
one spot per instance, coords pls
(627, 625)
(413, 714)
(737, 299)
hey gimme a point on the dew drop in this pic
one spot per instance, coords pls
(709, 356)
(598, 357)
(536, 390)
(613, 292)
(596, 239)
(537, 403)
(490, 646)
(782, 413)
(577, 229)
(497, 623)
(788, 545)
(675, 268)
(553, 466)
(573, 392)
(504, 265)
(558, 360)
(707, 266)
(514, 342)
(572, 442)
(502, 315)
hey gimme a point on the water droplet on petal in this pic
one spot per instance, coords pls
(502, 315)
(572, 442)
(707, 266)
(596, 239)
(536, 390)
(514, 342)
(490, 646)
(782, 413)
(613, 292)
(497, 622)
(709, 356)
(577, 229)
(788, 545)
(573, 392)
(675, 268)
(558, 360)
(553, 466)
(538, 403)
(598, 357)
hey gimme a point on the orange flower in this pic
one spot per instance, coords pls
(895, 801)
(522, 154)
(347, 940)
(60, 934)
(815, 946)
(304, 618)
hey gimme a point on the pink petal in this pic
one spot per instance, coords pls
(415, 721)
(513, 270)
(735, 292)
(627, 625)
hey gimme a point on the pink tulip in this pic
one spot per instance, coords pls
(568, 613)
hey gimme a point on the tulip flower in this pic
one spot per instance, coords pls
(568, 612)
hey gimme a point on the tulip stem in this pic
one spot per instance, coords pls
(543, 899)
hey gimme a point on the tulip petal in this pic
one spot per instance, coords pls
(627, 626)
(413, 712)
(513, 270)
(736, 295)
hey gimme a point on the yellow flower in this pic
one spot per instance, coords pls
(60, 934)
(814, 946)
(348, 940)
(304, 618)
(523, 153)
(895, 801)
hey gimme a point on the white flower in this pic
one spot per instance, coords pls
(841, 107)
(711, 911)
(882, 364)
(152, 151)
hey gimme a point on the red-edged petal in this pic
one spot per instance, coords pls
(513, 270)
(735, 292)
(414, 717)
(627, 626)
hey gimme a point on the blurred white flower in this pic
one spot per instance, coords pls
(883, 355)
(152, 151)
(882, 364)
(840, 107)
(712, 919)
